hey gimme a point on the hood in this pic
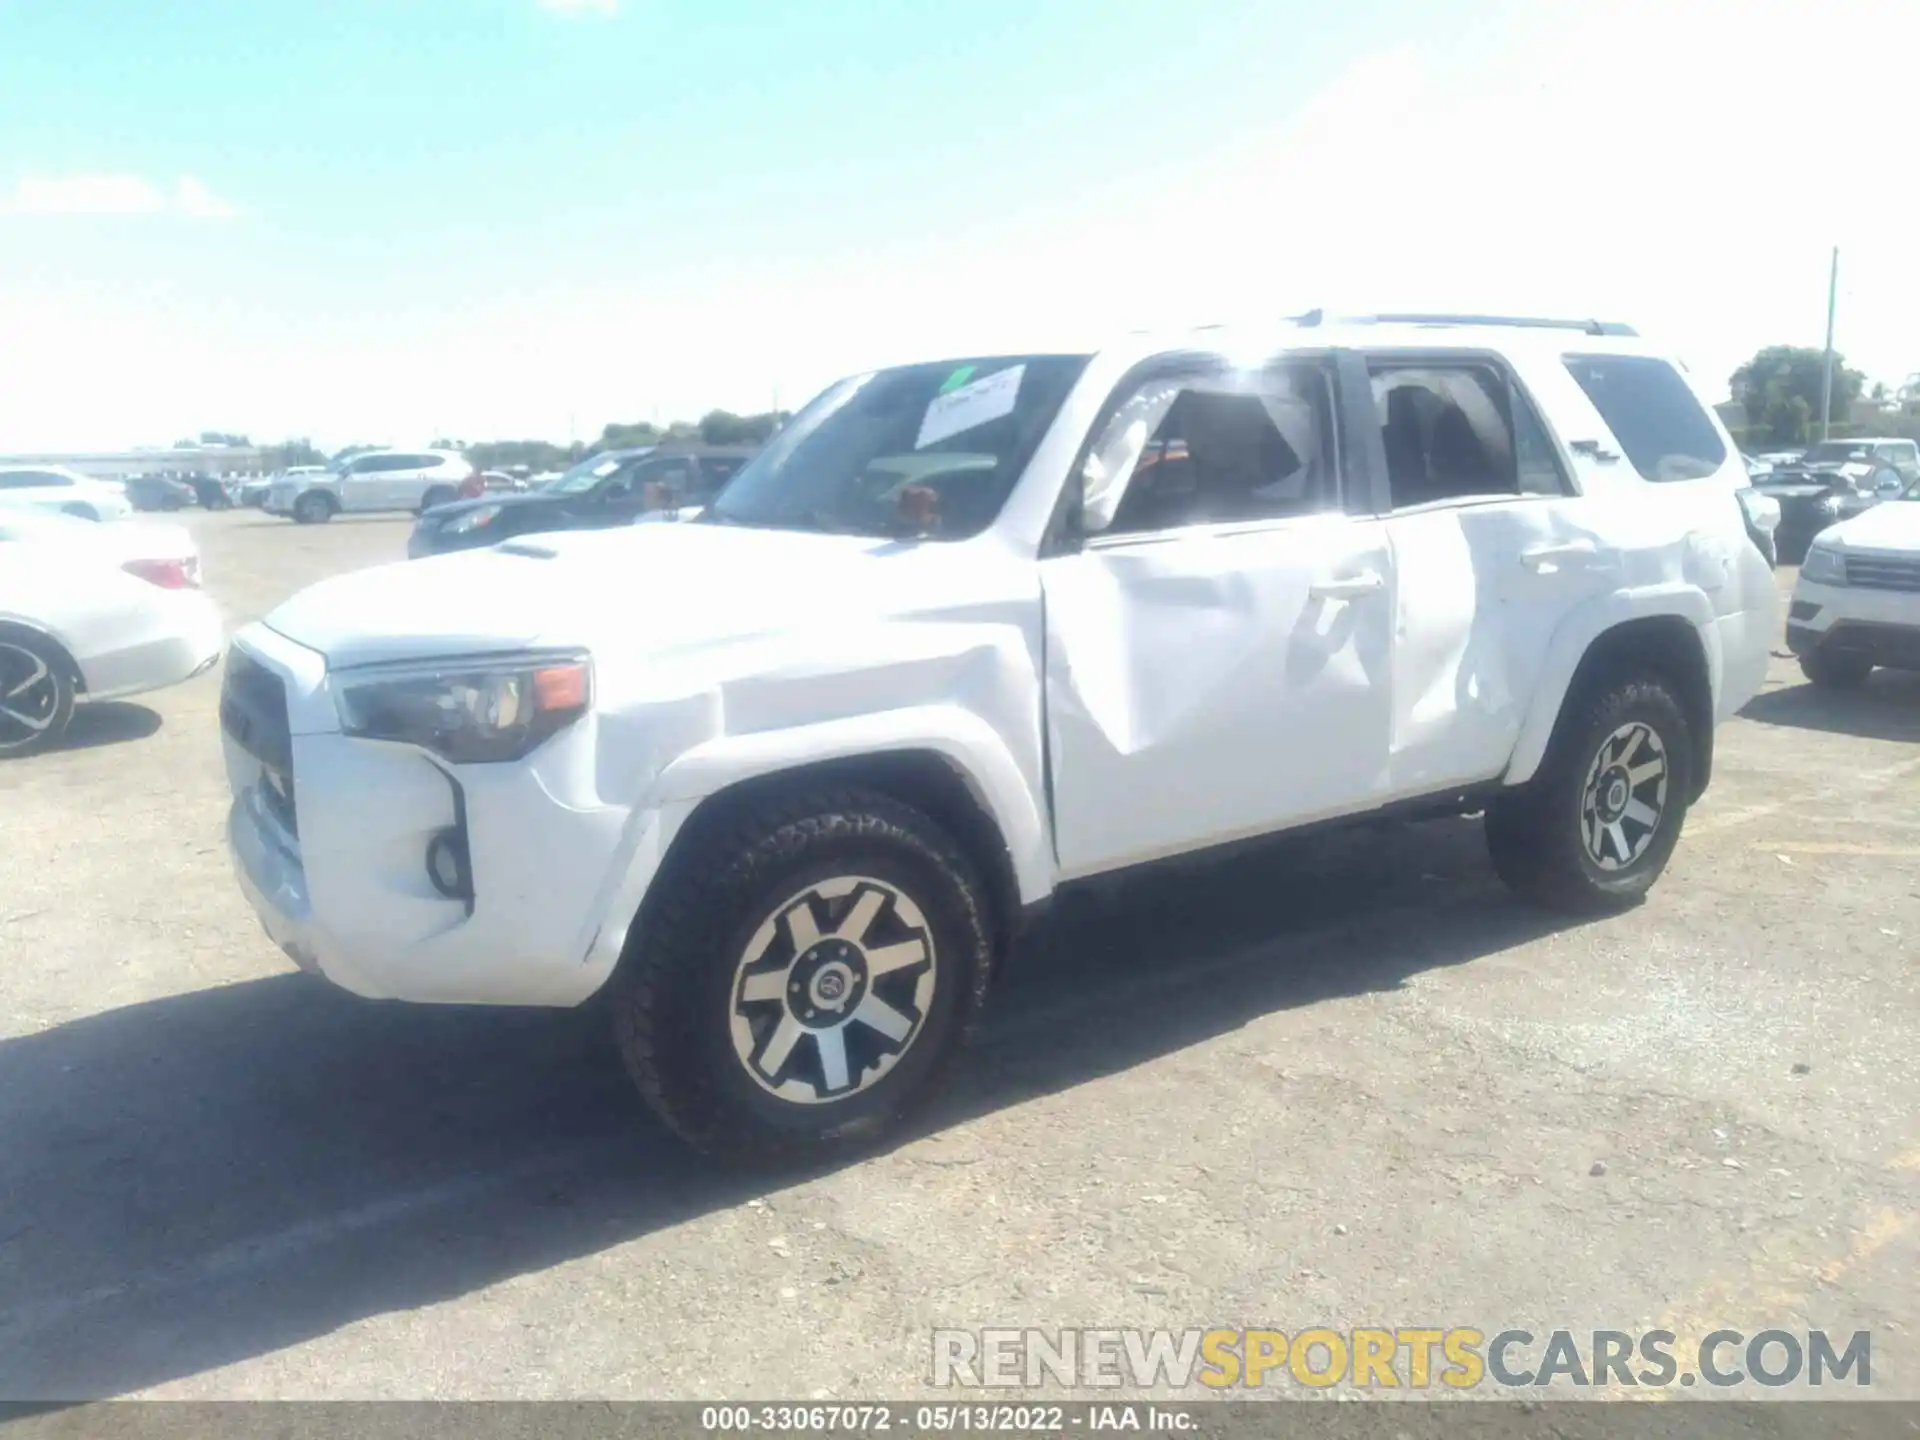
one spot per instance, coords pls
(634, 588)
(502, 499)
(1892, 526)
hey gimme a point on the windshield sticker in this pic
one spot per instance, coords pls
(974, 404)
(958, 378)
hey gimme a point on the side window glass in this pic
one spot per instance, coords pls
(664, 483)
(1534, 458)
(717, 471)
(1446, 433)
(1234, 447)
(1652, 412)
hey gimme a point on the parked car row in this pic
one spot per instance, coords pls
(1831, 482)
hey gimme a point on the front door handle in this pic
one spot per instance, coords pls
(1542, 557)
(1365, 583)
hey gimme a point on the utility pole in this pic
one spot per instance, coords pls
(1826, 369)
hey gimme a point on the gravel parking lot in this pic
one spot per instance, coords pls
(1341, 1081)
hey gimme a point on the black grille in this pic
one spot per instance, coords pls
(253, 710)
(1883, 572)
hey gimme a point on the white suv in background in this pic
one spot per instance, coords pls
(377, 480)
(785, 781)
(54, 487)
(1856, 603)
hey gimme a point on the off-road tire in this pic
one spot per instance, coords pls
(1835, 669)
(314, 508)
(673, 998)
(1537, 832)
(45, 677)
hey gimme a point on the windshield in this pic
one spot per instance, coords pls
(584, 476)
(923, 450)
(1833, 453)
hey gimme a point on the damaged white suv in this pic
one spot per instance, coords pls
(785, 781)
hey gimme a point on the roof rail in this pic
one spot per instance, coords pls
(1528, 322)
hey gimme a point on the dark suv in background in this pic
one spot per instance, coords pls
(615, 487)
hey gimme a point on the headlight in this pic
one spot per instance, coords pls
(471, 520)
(470, 712)
(1824, 566)
(1762, 511)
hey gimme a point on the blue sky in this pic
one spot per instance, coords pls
(385, 219)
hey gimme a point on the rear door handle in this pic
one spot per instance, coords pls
(1365, 583)
(1543, 556)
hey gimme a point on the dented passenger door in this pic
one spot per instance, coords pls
(1217, 652)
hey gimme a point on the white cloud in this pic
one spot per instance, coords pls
(115, 195)
(581, 7)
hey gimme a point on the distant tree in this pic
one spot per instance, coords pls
(1879, 391)
(1780, 390)
(536, 455)
(289, 453)
(723, 427)
(216, 437)
(621, 437)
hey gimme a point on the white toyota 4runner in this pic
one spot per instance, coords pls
(786, 781)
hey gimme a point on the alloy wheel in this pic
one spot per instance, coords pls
(832, 990)
(29, 696)
(1624, 798)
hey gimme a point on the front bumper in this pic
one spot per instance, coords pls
(339, 876)
(1883, 625)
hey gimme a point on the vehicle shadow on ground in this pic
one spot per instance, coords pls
(202, 1179)
(108, 722)
(1887, 707)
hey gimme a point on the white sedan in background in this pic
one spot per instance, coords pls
(88, 612)
(67, 492)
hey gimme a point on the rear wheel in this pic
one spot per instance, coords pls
(314, 508)
(806, 980)
(36, 695)
(80, 512)
(438, 495)
(1597, 824)
(1835, 669)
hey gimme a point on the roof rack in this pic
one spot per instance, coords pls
(1525, 322)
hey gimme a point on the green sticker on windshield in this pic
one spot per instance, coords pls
(958, 378)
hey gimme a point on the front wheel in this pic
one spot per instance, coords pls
(1835, 669)
(36, 696)
(314, 508)
(806, 979)
(1593, 829)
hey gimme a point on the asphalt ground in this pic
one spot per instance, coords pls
(1340, 1081)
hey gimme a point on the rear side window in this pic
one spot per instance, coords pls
(1459, 430)
(1653, 413)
